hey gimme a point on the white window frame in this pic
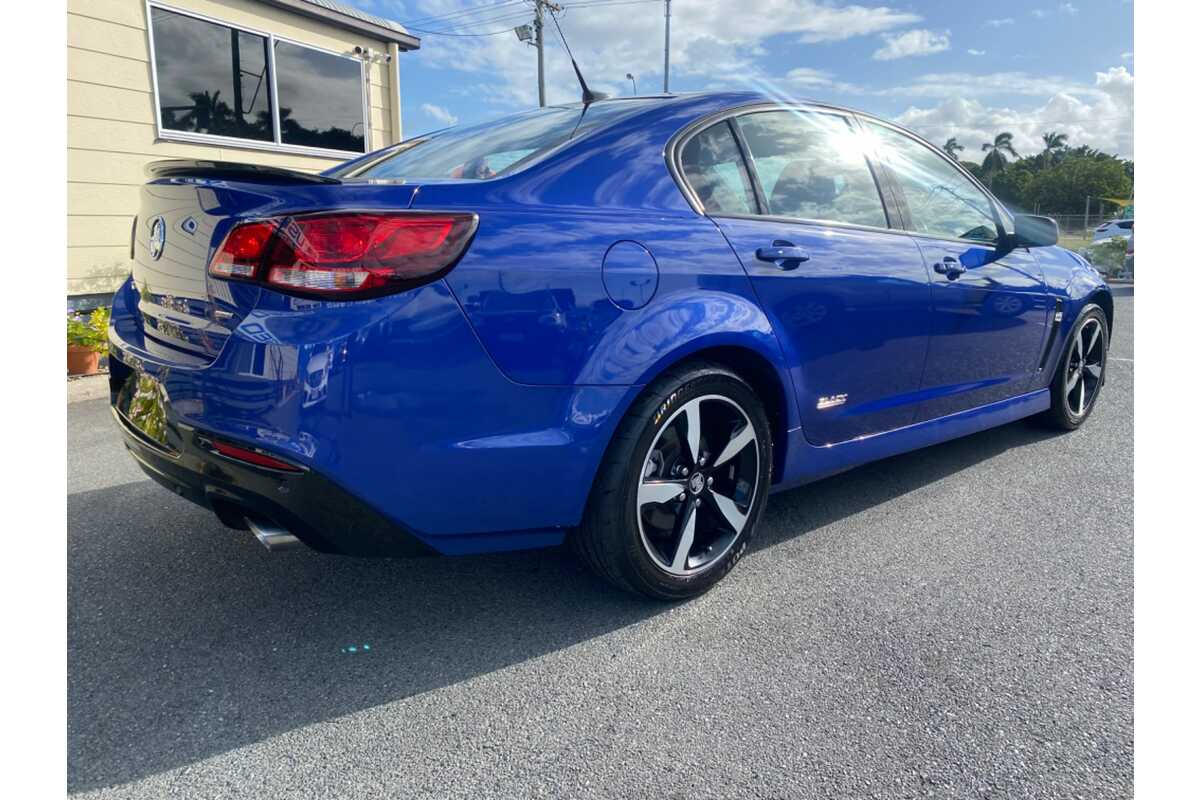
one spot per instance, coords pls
(276, 146)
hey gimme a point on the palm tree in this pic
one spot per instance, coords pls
(995, 161)
(208, 114)
(1054, 142)
(953, 148)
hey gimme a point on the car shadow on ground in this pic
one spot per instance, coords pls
(186, 639)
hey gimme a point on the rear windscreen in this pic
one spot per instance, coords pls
(484, 151)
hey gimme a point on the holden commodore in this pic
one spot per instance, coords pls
(618, 325)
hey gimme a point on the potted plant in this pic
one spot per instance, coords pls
(87, 339)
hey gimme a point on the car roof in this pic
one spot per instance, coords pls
(730, 98)
(717, 101)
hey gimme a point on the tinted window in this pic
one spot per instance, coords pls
(942, 201)
(713, 166)
(320, 98)
(211, 78)
(489, 149)
(812, 166)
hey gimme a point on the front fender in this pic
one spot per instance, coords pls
(1074, 281)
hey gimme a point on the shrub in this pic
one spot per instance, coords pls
(1107, 256)
(90, 331)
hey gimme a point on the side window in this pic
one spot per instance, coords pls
(713, 166)
(941, 200)
(812, 166)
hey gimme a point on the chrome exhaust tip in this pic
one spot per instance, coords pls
(272, 537)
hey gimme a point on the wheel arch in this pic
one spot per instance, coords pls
(1102, 297)
(758, 370)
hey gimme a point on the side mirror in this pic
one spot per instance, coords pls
(1031, 231)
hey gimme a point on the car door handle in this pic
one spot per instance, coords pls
(784, 255)
(949, 267)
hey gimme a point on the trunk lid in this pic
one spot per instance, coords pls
(187, 208)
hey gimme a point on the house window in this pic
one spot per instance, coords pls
(320, 98)
(215, 80)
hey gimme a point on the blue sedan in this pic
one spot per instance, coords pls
(618, 325)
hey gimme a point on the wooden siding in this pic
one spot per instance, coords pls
(111, 132)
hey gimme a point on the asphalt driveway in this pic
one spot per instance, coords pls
(955, 622)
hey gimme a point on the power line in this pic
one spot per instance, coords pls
(464, 12)
(463, 27)
(475, 22)
(465, 35)
(487, 22)
(462, 21)
(598, 3)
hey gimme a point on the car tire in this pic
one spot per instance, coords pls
(1081, 371)
(670, 513)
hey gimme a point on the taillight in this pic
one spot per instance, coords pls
(243, 249)
(345, 255)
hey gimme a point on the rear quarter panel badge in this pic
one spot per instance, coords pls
(830, 401)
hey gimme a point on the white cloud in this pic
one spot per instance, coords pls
(803, 80)
(911, 43)
(1040, 13)
(1068, 8)
(806, 76)
(438, 113)
(721, 43)
(1127, 56)
(972, 52)
(969, 84)
(1100, 116)
(713, 38)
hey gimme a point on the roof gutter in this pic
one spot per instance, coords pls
(404, 41)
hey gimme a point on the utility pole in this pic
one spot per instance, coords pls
(667, 52)
(539, 43)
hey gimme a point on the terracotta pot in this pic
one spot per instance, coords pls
(82, 361)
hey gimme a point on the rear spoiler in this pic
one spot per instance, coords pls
(231, 170)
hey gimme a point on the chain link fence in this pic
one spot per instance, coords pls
(1075, 232)
(1080, 225)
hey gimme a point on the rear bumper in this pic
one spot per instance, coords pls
(394, 411)
(314, 509)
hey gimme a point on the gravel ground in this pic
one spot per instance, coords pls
(956, 622)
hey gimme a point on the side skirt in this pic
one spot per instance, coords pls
(807, 463)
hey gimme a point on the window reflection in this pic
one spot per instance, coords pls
(713, 166)
(811, 166)
(320, 98)
(941, 200)
(211, 78)
(215, 79)
(483, 151)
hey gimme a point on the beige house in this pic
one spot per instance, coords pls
(301, 84)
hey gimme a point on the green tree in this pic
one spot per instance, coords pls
(1054, 143)
(973, 168)
(995, 161)
(1012, 184)
(1065, 187)
(952, 148)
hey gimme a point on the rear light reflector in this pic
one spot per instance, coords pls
(251, 456)
(345, 255)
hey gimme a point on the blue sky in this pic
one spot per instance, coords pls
(944, 69)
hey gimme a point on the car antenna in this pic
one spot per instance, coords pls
(589, 96)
